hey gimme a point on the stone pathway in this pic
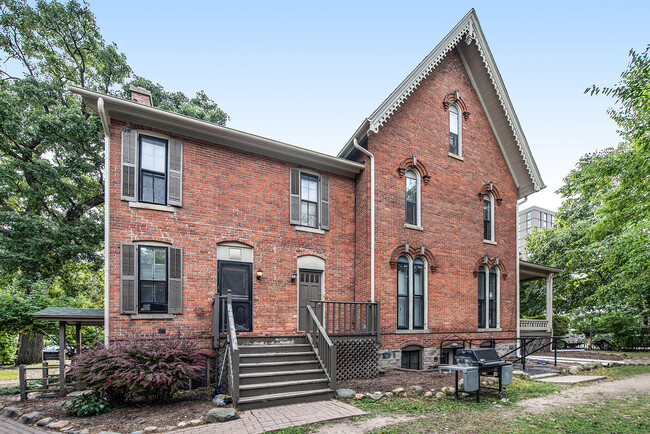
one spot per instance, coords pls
(572, 379)
(272, 418)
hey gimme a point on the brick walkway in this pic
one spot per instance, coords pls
(12, 426)
(272, 418)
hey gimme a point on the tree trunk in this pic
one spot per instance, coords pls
(30, 348)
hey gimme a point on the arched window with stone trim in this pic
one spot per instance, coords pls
(488, 297)
(454, 130)
(411, 293)
(412, 197)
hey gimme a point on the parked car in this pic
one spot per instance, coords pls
(574, 339)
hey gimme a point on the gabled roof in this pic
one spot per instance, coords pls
(468, 39)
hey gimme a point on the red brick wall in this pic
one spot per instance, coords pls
(231, 195)
(451, 212)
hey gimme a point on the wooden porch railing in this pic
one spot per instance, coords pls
(323, 347)
(233, 354)
(347, 318)
(48, 380)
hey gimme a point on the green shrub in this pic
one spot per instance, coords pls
(8, 347)
(9, 390)
(153, 369)
(88, 404)
(620, 328)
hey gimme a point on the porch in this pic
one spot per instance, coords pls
(530, 271)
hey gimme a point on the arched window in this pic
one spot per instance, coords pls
(488, 298)
(454, 131)
(412, 195)
(411, 293)
(488, 217)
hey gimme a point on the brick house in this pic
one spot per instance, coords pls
(408, 236)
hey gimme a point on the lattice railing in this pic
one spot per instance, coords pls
(356, 359)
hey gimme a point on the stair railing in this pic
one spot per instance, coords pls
(322, 345)
(233, 356)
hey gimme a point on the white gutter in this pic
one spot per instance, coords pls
(106, 123)
(519, 202)
(372, 217)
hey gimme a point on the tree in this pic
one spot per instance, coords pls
(51, 144)
(602, 230)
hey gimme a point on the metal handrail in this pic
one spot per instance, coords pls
(322, 345)
(233, 356)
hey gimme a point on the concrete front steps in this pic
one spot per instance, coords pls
(280, 372)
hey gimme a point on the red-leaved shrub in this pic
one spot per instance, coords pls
(153, 369)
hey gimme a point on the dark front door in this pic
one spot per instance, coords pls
(237, 277)
(308, 290)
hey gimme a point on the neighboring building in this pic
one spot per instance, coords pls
(533, 217)
(417, 212)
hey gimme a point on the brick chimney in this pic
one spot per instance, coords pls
(141, 95)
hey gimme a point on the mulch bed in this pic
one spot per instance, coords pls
(183, 407)
(429, 380)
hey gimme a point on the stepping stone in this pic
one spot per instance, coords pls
(547, 375)
(573, 379)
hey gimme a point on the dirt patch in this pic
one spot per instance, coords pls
(589, 393)
(429, 380)
(184, 407)
(363, 426)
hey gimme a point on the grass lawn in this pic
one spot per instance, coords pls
(630, 415)
(620, 371)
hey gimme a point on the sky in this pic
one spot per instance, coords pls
(309, 72)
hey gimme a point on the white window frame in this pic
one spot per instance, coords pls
(411, 295)
(492, 238)
(460, 130)
(414, 174)
(486, 269)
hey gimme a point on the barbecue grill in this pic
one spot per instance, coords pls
(474, 362)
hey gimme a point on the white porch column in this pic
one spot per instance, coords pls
(549, 301)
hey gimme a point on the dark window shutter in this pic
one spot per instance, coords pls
(129, 164)
(128, 279)
(175, 173)
(175, 280)
(325, 202)
(294, 198)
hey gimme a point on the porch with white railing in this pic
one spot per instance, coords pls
(529, 271)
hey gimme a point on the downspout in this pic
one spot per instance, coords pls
(106, 124)
(372, 217)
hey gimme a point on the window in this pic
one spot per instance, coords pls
(411, 284)
(488, 220)
(454, 131)
(529, 223)
(309, 200)
(153, 170)
(151, 279)
(488, 297)
(411, 356)
(412, 194)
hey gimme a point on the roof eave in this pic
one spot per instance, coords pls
(130, 111)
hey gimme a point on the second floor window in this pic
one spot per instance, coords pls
(488, 221)
(308, 200)
(153, 170)
(412, 194)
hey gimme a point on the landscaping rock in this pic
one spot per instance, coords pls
(345, 393)
(44, 421)
(221, 400)
(574, 370)
(388, 394)
(108, 432)
(220, 415)
(359, 396)
(12, 412)
(519, 374)
(181, 424)
(416, 390)
(170, 427)
(448, 390)
(137, 432)
(150, 428)
(30, 418)
(428, 394)
(195, 421)
(441, 395)
(398, 390)
(376, 396)
(58, 424)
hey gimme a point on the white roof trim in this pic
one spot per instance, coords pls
(470, 29)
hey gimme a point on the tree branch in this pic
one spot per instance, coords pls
(79, 209)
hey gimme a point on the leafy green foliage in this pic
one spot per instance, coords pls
(602, 231)
(8, 347)
(621, 329)
(88, 404)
